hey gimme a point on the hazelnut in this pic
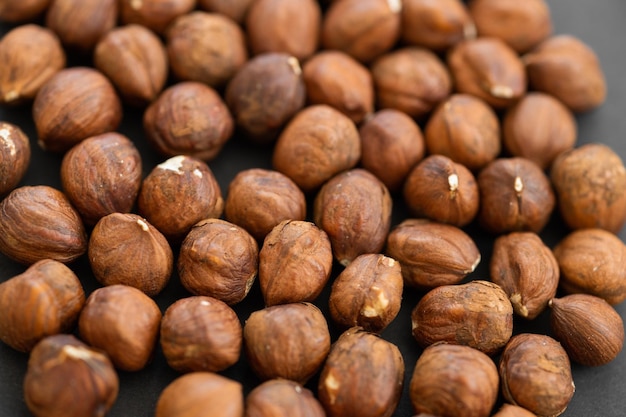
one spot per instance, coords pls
(259, 199)
(81, 23)
(364, 29)
(218, 259)
(317, 144)
(489, 69)
(568, 69)
(44, 300)
(294, 30)
(89, 383)
(515, 195)
(432, 254)
(177, 194)
(201, 394)
(205, 47)
(188, 118)
(74, 104)
(337, 79)
(592, 261)
(282, 398)
(135, 60)
(526, 270)
(154, 14)
(102, 175)
(391, 144)
(437, 25)
(367, 293)
(14, 156)
(522, 25)
(363, 376)
(465, 129)
(286, 341)
(38, 222)
(354, 209)
(477, 314)
(123, 322)
(442, 190)
(265, 93)
(590, 330)
(31, 55)
(295, 263)
(200, 334)
(235, 9)
(125, 249)
(535, 374)
(452, 380)
(16, 11)
(413, 80)
(510, 410)
(539, 127)
(589, 182)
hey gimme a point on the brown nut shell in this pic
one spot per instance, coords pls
(156, 15)
(510, 410)
(235, 9)
(282, 398)
(16, 11)
(15, 156)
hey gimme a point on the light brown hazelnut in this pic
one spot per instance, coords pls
(15, 156)
(510, 410)
(44, 300)
(154, 14)
(38, 222)
(124, 323)
(235, 9)
(200, 334)
(90, 384)
(282, 398)
(31, 55)
(218, 259)
(125, 249)
(16, 11)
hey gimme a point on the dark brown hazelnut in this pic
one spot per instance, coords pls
(44, 300)
(125, 249)
(102, 175)
(205, 47)
(568, 69)
(363, 376)
(337, 79)
(437, 25)
(154, 14)
(14, 156)
(536, 374)
(38, 222)
(295, 30)
(391, 144)
(442, 190)
(432, 254)
(74, 104)
(510, 410)
(452, 380)
(259, 199)
(526, 270)
(589, 182)
(317, 144)
(200, 394)
(31, 55)
(295, 263)
(367, 293)
(592, 261)
(489, 69)
(364, 29)
(124, 323)
(188, 118)
(16, 11)
(413, 80)
(521, 24)
(515, 195)
(477, 314)
(218, 259)
(135, 60)
(235, 9)
(286, 341)
(465, 129)
(177, 194)
(265, 94)
(354, 209)
(539, 128)
(200, 334)
(282, 398)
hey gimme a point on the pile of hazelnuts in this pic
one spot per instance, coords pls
(460, 114)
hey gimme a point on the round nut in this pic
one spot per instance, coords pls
(281, 397)
(15, 156)
(235, 9)
(154, 14)
(22, 10)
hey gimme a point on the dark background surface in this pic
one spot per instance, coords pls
(599, 391)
